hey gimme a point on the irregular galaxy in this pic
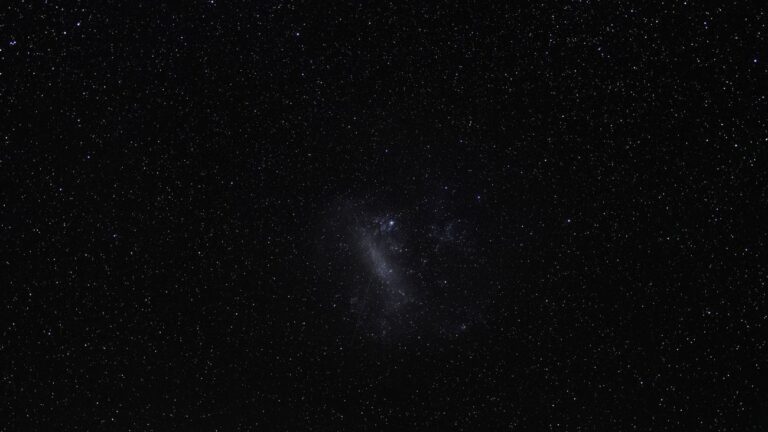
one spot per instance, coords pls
(399, 273)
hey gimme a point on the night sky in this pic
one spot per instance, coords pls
(277, 215)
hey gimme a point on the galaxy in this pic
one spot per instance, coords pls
(282, 215)
(403, 271)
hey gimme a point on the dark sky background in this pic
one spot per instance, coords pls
(283, 215)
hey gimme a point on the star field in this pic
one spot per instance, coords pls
(280, 215)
